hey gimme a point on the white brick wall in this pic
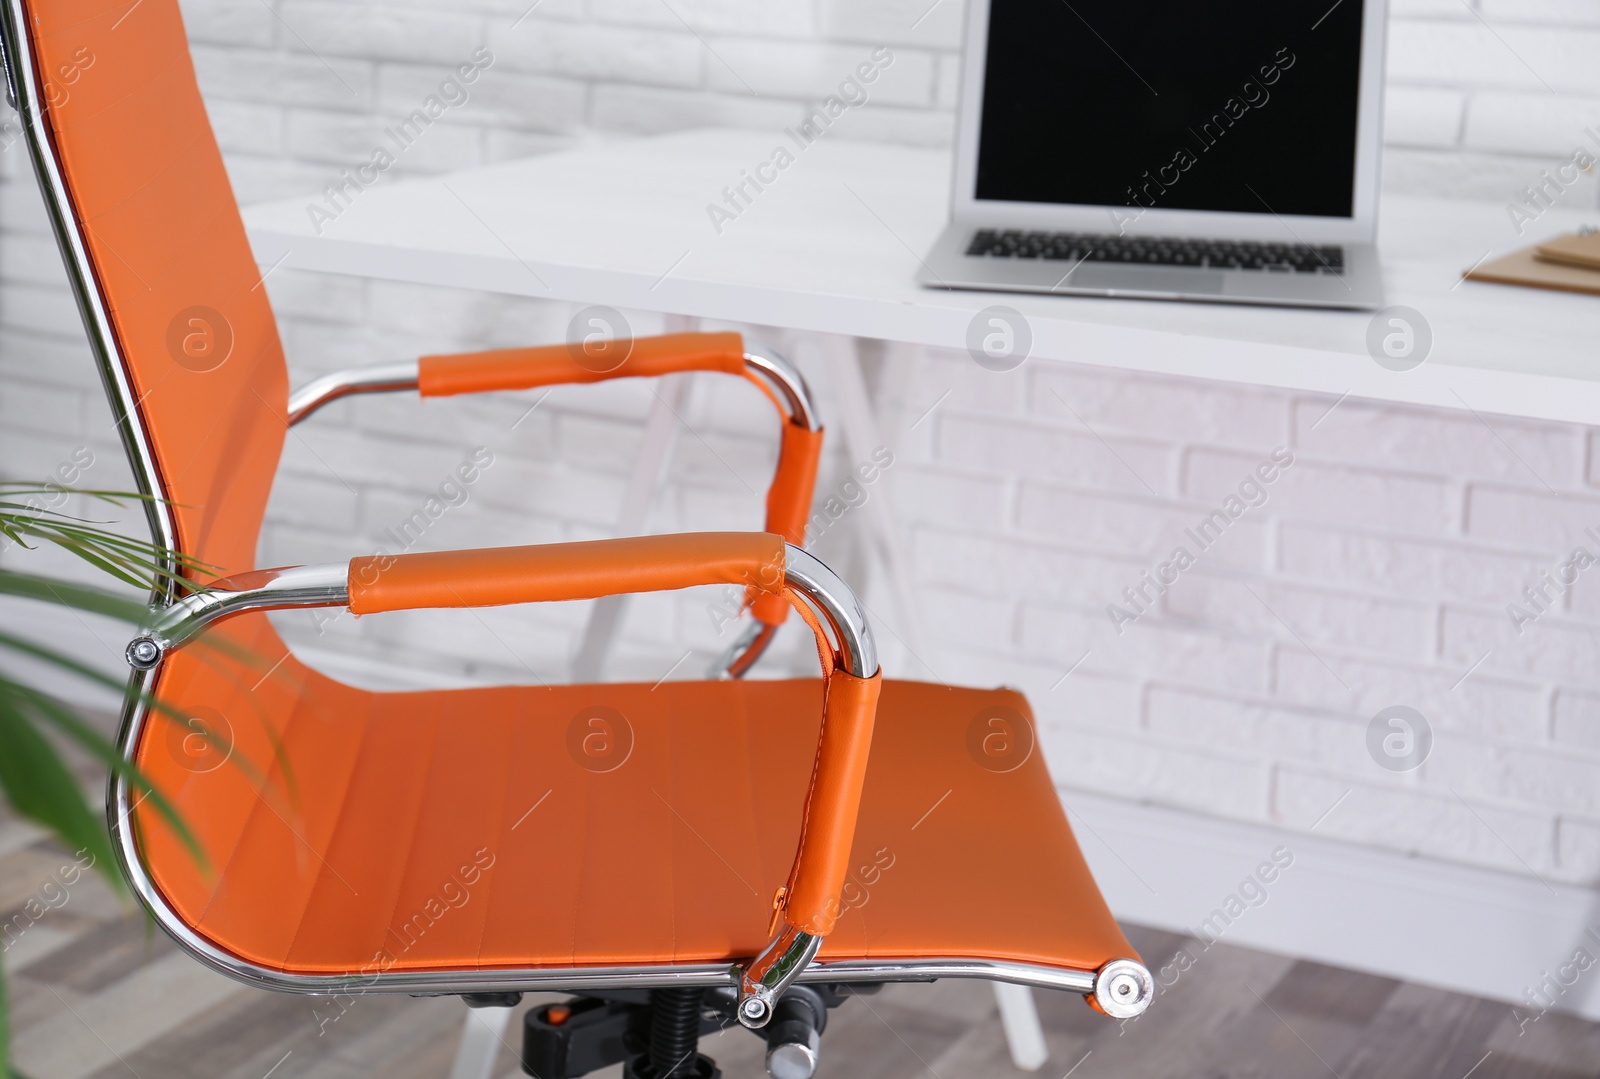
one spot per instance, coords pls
(1377, 573)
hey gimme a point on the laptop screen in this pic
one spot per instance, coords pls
(1246, 107)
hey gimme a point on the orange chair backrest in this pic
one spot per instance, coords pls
(171, 260)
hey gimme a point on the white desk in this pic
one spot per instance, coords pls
(832, 246)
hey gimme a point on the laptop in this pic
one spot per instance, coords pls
(1177, 150)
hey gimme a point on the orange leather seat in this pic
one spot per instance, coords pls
(474, 829)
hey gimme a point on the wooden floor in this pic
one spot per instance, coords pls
(97, 993)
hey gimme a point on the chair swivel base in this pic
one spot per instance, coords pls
(655, 1034)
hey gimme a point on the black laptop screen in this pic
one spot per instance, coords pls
(1247, 106)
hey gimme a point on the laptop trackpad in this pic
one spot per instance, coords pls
(1146, 279)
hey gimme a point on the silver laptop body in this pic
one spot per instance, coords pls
(1166, 150)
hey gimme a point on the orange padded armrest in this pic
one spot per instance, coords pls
(789, 505)
(811, 901)
(554, 365)
(498, 576)
(793, 483)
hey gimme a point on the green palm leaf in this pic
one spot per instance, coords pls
(39, 786)
(130, 560)
(46, 710)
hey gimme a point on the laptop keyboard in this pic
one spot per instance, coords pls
(1158, 251)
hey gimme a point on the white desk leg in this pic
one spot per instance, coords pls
(1021, 1021)
(480, 1044)
(863, 434)
(649, 475)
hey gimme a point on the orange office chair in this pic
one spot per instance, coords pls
(675, 856)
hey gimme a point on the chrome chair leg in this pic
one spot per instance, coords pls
(481, 1039)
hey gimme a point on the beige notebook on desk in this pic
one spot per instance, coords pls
(1581, 249)
(1530, 268)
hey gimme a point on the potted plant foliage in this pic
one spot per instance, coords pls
(34, 778)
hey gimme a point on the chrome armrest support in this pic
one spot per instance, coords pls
(787, 382)
(773, 971)
(747, 647)
(385, 378)
(765, 364)
(261, 590)
(841, 612)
